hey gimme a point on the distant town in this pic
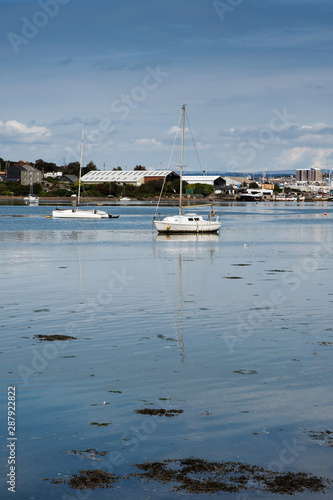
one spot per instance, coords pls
(48, 180)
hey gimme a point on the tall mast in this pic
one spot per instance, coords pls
(181, 162)
(81, 155)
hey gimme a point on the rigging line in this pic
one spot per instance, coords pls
(195, 148)
(164, 180)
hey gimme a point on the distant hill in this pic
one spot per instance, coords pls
(273, 173)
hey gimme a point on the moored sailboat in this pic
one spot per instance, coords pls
(79, 213)
(31, 199)
(189, 222)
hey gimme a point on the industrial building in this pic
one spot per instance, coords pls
(134, 177)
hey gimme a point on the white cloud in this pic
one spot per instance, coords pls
(151, 143)
(176, 130)
(304, 157)
(16, 131)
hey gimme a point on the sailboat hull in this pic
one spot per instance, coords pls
(190, 223)
(77, 213)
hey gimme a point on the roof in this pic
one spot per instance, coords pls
(72, 178)
(26, 167)
(202, 179)
(232, 181)
(123, 176)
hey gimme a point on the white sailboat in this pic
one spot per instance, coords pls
(31, 199)
(190, 222)
(79, 213)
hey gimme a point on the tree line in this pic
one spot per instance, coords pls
(54, 187)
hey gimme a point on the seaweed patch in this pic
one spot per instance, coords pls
(52, 338)
(159, 412)
(199, 476)
(89, 479)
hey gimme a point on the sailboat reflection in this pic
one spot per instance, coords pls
(180, 312)
(188, 237)
(185, 249)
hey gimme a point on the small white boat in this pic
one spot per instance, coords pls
(188, 223)
(31, 199)
(191, 222)
(79, 213)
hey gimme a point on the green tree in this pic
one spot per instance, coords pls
(46, 166)
(204, 189)
(90, 166)
(72, 168)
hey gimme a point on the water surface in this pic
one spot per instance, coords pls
(234, 329)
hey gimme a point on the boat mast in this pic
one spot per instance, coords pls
(181, 162)
(79, 191)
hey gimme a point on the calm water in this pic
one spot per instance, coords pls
(231, 329)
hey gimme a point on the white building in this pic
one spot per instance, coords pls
(134, 177)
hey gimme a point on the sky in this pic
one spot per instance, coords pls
(256, 77)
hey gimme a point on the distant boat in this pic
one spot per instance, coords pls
(125, 199)
(250, 196)
(286, 198)
(190, 222)
(31, 199)
(79, 213)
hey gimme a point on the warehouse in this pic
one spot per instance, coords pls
(134, 177)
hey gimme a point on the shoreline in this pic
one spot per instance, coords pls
(172, 199)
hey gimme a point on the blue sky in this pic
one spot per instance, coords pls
(256, 76)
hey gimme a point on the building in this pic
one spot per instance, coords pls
(24, 173)
(211, 180)
(310, 175)
(68, 179)
(134, 177)
(52, 175)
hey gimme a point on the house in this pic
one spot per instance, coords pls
(24, 173)
(68, 179)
